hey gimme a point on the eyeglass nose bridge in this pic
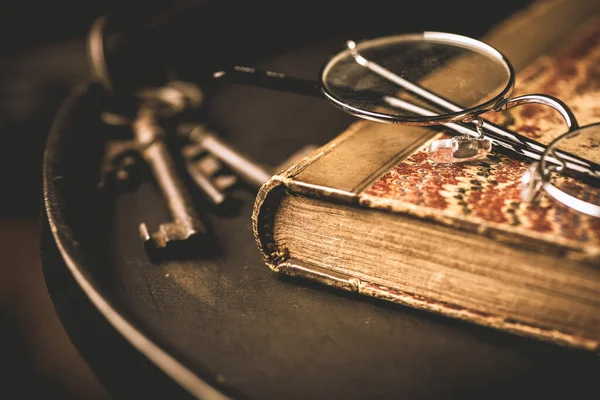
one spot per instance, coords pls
(565, 112)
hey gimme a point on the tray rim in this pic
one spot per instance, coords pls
(73, 257)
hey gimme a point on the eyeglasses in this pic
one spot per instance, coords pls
(460, 78)
(432, 79)
(437, 78)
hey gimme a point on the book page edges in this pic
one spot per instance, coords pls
(346, 282)
(278, 259)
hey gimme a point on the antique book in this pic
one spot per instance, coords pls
(368, 212)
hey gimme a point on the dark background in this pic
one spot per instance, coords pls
(42, 55)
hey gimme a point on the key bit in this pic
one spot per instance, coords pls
(206, 172)
(204, 140)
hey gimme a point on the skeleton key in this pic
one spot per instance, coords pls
(149, 137)
(250, 171)
(255, 174)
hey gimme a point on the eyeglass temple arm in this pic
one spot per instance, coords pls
(269, 80)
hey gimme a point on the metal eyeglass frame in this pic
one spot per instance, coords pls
(537, 178)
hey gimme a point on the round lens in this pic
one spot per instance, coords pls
(421, 79)
(579, 192)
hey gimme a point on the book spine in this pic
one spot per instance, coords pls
(267, 201)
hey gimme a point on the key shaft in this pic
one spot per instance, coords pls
(186, 223)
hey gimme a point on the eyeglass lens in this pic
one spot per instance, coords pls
(459, 72)
(584, 143)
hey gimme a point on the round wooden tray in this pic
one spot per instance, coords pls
(223, 324)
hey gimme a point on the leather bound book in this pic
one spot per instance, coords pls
(368, 212)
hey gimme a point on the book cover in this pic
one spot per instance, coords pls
(368, 212)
